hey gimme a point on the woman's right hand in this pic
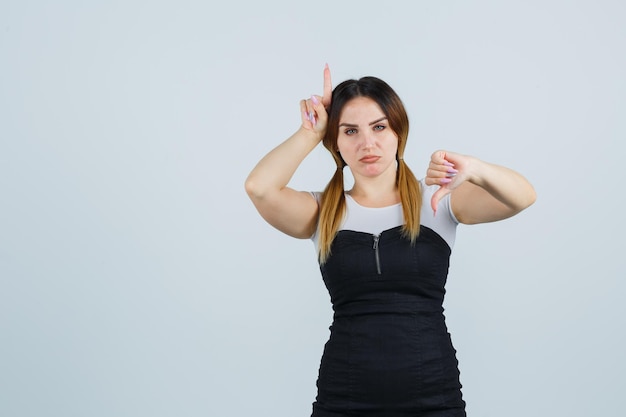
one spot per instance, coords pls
(290, 211)
(313, 110)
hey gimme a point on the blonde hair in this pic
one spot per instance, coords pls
(333, 203)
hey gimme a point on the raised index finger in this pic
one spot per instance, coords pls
(328, 87)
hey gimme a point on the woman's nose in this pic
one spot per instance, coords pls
(368, 140)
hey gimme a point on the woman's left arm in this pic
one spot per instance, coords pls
(480, 192)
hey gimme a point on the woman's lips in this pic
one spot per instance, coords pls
(369, 159)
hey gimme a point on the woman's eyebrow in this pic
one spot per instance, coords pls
(378, 120)
(372, 123)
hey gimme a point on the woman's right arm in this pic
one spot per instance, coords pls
(290, 211)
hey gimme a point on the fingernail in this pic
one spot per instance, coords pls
(315, 100)
(312, 117)
(450, 175)
(307, 115)
(445, 181)
(446, 163)
(453, 171)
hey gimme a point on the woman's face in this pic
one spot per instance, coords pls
(365, 141)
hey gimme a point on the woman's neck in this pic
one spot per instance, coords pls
(375, 192)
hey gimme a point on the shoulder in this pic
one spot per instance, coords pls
(317, 195)
(444, 204)
(444, 222)
(427, 190)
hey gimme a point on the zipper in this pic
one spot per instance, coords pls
(376, 254)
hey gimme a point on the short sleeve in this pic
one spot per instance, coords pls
(444, 222)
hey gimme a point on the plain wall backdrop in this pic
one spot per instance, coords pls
(137, 279)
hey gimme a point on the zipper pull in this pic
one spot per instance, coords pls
(376, 255)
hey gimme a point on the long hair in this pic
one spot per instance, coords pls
(333, 203)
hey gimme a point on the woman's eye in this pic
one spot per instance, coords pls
(379, 127)
(350, 131)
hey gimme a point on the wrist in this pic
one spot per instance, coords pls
(476, 170)
(310, 135)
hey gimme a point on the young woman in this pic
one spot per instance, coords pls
(383, 247)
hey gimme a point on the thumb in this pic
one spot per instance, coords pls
(436, 198)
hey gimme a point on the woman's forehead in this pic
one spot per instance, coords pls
(360, 109)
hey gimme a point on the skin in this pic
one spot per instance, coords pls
(480, 192)
(369, 147)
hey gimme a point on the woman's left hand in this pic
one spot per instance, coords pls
(483, 192)
(448, 170)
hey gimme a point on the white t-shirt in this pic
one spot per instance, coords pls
(375, 220)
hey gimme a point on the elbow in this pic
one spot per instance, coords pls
(530, 196)
(533, 197)
(252, 188)
(257, 189)
(523, 200)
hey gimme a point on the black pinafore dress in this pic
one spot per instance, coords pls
(389, 352)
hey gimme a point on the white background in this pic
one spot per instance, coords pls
(136, 278)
